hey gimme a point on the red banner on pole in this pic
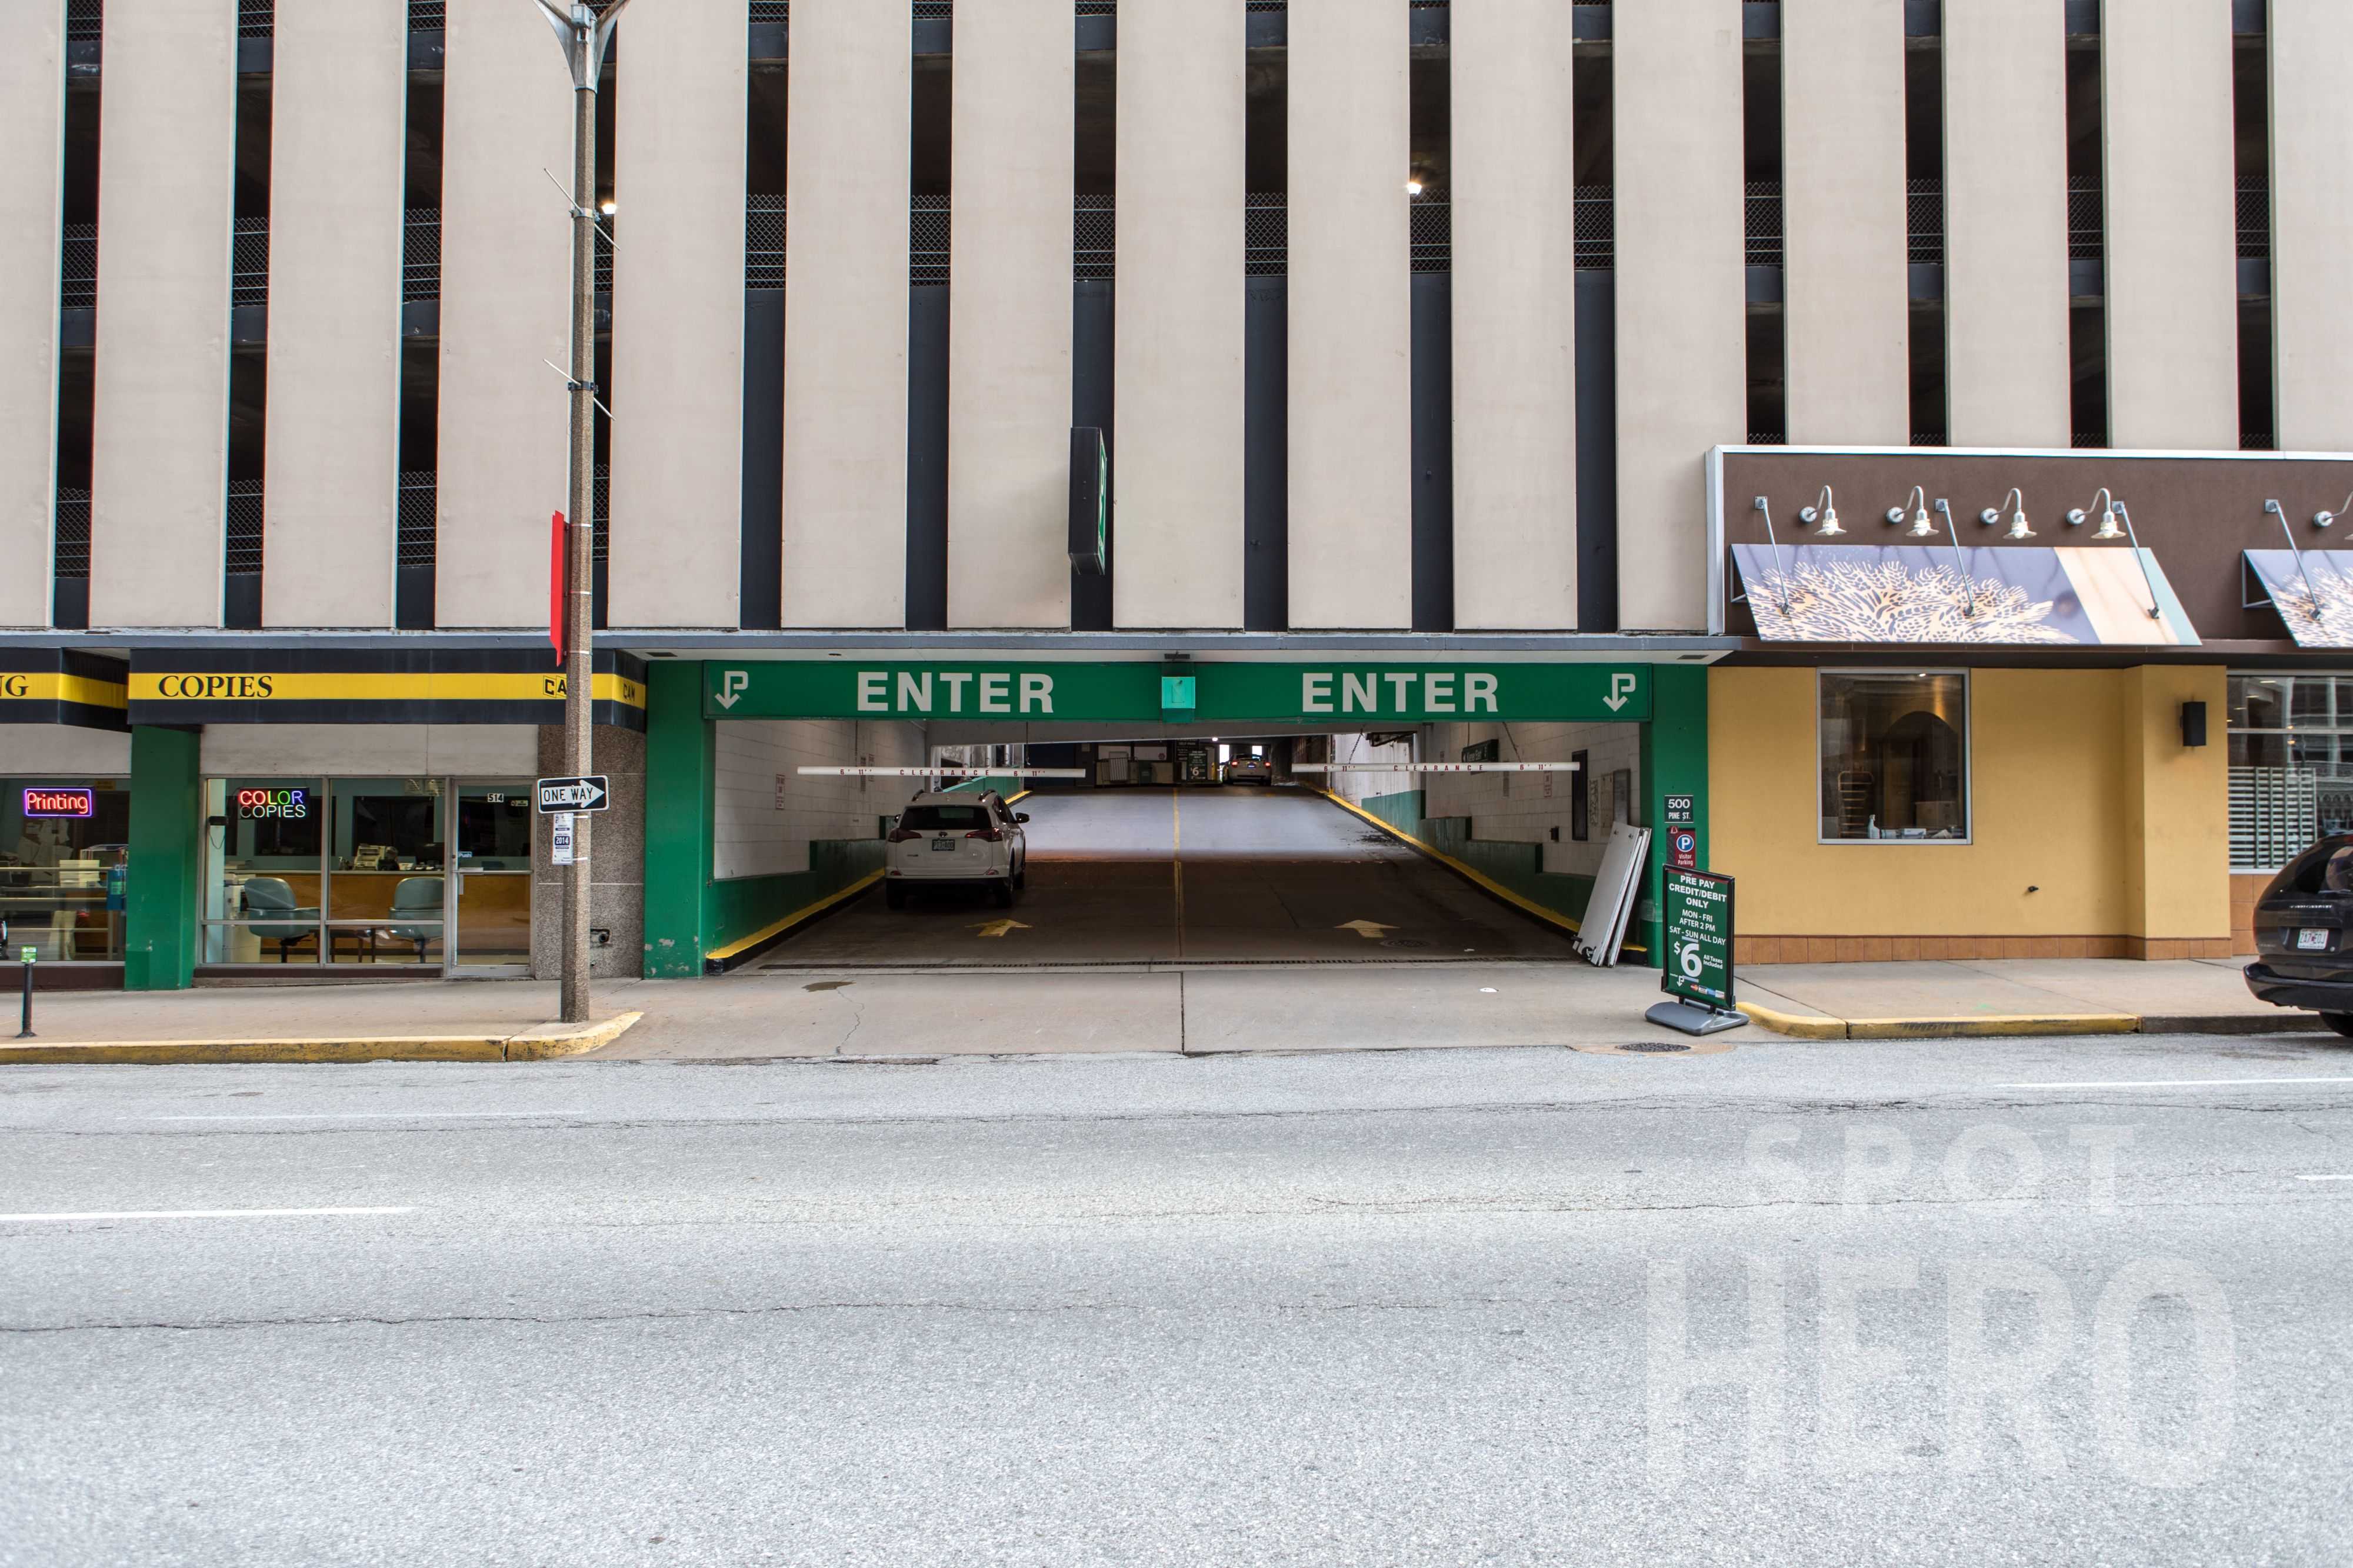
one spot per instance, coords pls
(556, 584)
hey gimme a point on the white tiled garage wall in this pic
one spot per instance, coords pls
(763, 829)
(1364, 786)
(1524, 809)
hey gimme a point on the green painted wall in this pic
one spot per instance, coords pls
(1675, 761)
(165, 862)
(690, 914)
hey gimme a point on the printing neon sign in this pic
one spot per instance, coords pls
(55, 803)
(258, 805)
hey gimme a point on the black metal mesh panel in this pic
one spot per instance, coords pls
(255, 18)
(249, 263)
(416, 492)
(2255, 216)
(600, 515)
(73, 533)
(85, 20)
(1431, 226)
(244, 525)
(769, 11)
(764, 242)
(1925, 220)
(1266, 234)
(421, 253)
(2086, 220)
(1764, 223)
(1094, 238)
(1596, 228)
(1098, 7)
(81, 285)
(929, 228)
(427, 15)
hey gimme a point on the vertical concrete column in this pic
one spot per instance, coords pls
(1014, 157)
(1351, 350)
(677, 315)
(2008, 370)
(506, 265)
(2172, 224)
(166, 861)
(1515, 315)
(1682, 324)
(339, 115)
(1176, 458)
(846, 165)
(1846, 289)
(159, 442)
(2177, 818)
(32, 191)
(2312, 225)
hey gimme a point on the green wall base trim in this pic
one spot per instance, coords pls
(1511, 867)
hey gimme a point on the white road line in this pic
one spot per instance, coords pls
(192, 1214)
(2346, 1078)
(2324, 1178)
(358, 1115)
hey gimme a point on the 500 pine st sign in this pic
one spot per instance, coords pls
(1255, 693)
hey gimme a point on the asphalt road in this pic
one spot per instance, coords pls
(1235, 873)
(1416, 1308)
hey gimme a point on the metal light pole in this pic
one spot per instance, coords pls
(585, 35)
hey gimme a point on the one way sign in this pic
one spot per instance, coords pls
(574, 795)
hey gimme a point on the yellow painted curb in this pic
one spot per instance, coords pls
(543, 1043)
(1797, 1025)
(1993, 1024)
(550, 1041)
(1549, 917)
(808, 912)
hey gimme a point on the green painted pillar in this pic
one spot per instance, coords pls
(166, 862)
(1674, 763)
(682, 749)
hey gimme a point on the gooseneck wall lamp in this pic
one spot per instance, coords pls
(1916, 506)
(2319, 519)
(1824, 511)
(2014, 504)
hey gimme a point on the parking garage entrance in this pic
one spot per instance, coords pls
(1152, 848)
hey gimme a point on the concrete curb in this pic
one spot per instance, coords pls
(543, 1042)
(1824, 1027)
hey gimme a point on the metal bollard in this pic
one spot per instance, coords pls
(26, 1031)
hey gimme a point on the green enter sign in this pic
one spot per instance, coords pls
(1698, 932)
(1058, 693)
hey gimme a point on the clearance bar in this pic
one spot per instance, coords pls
(1433, 767)
(959, 772)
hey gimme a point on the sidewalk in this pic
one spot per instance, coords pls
(2010, 996)
(853, 1013)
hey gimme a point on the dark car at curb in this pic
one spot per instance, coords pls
(2304, 935)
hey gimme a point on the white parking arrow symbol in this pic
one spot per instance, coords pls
(733, 684)
(1621, 686)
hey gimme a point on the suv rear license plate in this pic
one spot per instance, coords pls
(949, 845)
(2309, 940)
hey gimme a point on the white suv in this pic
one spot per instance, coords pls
(958, 839)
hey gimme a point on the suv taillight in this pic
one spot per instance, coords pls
(904, 836)
(990, 834)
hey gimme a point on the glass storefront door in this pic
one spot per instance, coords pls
(493, 865)
(375, 872)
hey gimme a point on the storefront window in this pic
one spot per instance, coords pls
(2291, 765)
(307, 870)
(1895, 757)
(63, 845)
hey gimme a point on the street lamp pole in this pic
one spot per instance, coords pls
(583, 35)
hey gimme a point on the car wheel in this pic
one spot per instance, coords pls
(1001, 893)
(894, 895)
(2340, 1022)
(1021, 879)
